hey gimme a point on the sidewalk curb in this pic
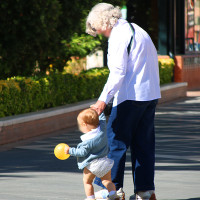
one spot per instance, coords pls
(24, 126)
(173, 91)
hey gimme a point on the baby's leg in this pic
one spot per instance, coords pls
(107, 182)
(88, 178)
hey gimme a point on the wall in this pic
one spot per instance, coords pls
(187, 69)
(94, 60)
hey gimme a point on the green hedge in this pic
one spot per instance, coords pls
(22, 95)
(166, 67)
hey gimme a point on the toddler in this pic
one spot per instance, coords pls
(92, 153)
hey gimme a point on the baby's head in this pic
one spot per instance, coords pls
(88, 119)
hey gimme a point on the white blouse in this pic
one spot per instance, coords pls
(134, 76)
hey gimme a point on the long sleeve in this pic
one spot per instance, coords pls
(102, 122)
(134, 76)
(80, 151)
(117, 63)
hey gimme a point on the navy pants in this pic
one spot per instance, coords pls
(131, 124)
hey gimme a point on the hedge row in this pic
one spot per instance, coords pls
(166, 70)
(22, 95)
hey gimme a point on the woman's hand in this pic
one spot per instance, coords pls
(99, 106)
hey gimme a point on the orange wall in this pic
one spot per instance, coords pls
(187, 69)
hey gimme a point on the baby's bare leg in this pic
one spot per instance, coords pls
(107, 182)
(88, 178)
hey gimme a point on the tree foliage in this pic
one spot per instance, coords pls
(38, 32)
(145, 14)
(27, 33)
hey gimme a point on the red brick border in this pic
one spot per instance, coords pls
(22, 131)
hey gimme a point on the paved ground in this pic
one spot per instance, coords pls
(31, 172)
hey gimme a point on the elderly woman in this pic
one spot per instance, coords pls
(134, 83)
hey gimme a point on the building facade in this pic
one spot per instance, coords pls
(174, 26)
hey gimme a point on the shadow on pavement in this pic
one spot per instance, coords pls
(39, 156)
(178, 135)
(198, 198)
(177, 144)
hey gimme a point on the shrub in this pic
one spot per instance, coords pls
(42, 32)
(28, 33)
(23, 95)
(10, 98)
(166, 67)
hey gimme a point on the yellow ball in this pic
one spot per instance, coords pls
(59, 151)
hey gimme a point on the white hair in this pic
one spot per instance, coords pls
(101, 17)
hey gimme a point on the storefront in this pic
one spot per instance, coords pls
(174, 26)
(179, 28)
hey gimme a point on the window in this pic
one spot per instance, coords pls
(192, 25)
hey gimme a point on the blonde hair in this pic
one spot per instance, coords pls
(102, 16)
(89, 116)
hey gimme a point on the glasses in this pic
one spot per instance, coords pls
(93, 29)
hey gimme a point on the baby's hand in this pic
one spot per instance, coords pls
(67, 150)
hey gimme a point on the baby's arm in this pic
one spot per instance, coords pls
(80, 151)
(102, 122)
